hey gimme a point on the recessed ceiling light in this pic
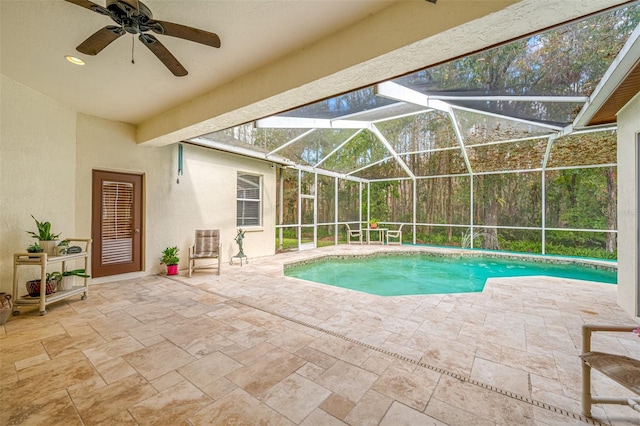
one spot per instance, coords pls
(74, 60)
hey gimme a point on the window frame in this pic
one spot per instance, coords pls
(250, 200)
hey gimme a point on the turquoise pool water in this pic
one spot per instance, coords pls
(424, 274)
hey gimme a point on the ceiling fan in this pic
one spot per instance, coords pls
(133, 17)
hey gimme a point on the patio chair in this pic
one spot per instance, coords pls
(207, 246)
(351, 233)
(395, 234)
(619, 368)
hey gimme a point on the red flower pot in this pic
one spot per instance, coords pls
(172, 269)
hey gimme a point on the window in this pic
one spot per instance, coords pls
(117, 222)
(249, 200)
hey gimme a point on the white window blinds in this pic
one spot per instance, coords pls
(249, 203)
(117, 222)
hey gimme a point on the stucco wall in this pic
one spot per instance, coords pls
(48, 152)
(628, 129)
(37, 165)
(204, 198)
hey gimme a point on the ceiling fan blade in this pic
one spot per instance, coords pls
(184, 32)
(91, 6)
(99, 40)
(163, 54)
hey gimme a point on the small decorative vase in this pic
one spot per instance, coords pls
(35, 252)
(49, 247)
(5, 307)
(60, 250)
(172, 269)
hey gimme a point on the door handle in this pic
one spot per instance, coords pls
(137, 231)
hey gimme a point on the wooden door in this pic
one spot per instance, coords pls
(116, 224)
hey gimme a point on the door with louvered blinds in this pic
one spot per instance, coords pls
(116, 223)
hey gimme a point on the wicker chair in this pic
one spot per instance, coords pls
(207, 246)
(623, 370)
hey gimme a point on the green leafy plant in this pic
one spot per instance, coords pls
(76, 273)
(54, 276)
(170, 256)
(44, 231)
(34, 248)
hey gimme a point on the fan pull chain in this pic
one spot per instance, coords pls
(133, 43)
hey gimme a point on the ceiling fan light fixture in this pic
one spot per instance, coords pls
(134, 17)
(74, 60)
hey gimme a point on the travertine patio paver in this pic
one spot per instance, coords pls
(251, 346)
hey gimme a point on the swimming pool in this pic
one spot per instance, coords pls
(398, 275)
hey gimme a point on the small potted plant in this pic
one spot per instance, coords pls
(171, 259)
(46, 239)
(34, 248)
(53, 278)
(66, 283)
(61, 249)
(373, 223)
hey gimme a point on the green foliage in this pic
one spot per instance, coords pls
(170, 256)
(44, 231)
(54, 276)
(383, 196)
(363, 150)
(577, 198)
(565, 243)
(589, 252)
(288, 244)
(325, 232)
(34, 248)
(75, 273)
(522, 246)
(439, 236)
(435, 239)
(325, 243)
(569, 60)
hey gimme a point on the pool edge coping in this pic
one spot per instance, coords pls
(450, 252)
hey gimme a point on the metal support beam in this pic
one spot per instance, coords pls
(392, 151)
(397, 92)
(279, 122)
(247, 152)
(292, 141)
(512, 98)
(338, 148)
(335, 210)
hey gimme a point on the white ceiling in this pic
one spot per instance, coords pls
(267, 40)
(37, 34)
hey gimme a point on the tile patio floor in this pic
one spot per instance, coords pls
(252, 347)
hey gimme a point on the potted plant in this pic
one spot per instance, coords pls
(68, 278)
(171, 259)
(373, 223)
(53, 278)
(61, 248)
(46, 239)
(34, 248)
